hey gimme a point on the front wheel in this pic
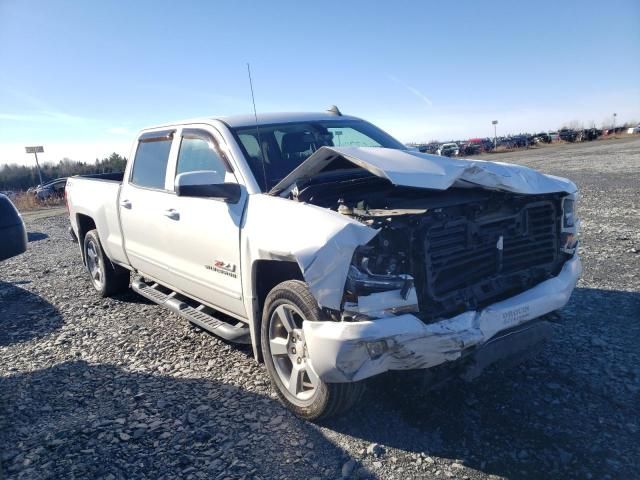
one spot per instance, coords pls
(285, 354)
(106, 277)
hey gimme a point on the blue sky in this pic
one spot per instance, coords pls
(82, 77)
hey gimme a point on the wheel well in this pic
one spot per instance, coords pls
(85, 224)
(268, 274)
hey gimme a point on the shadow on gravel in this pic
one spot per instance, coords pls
(131, 297)
(571, 412)
(36, 236)
(77, 420)
(25, 315)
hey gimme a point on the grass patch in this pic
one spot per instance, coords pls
(25, 202)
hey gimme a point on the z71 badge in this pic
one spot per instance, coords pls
(224, 268)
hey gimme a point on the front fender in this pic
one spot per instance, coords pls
(319, 240)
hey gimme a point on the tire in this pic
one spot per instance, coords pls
(285, 354)
(106, 277)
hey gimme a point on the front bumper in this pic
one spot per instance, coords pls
(340, 351)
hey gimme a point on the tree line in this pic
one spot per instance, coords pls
(20, 177)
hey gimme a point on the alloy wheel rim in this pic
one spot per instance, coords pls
(289, 352)
(94, 264)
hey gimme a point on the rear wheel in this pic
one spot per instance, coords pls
(106, 277)
(285, 354)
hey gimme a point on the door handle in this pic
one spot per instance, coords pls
(125, 203)
(172, 214)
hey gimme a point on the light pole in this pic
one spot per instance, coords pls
(495, 133)
(35, 151)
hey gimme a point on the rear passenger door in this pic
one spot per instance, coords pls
(144, 202)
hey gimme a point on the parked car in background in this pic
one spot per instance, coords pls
(470, 148)
(335, 263)
(429, 148)
(487, 144)
(505, 142)
(521, 141)
(591, 133)
(543, 137)
(51, 190)
(448, 150)
(13, 234)
(570, 135)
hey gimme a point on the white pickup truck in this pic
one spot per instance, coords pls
(338, 253)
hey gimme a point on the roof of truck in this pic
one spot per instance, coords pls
(235, 121)
(282, 117)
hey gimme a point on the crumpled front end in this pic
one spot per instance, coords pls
(419, 258)
(352, 351)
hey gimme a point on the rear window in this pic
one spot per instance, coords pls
(150, 163)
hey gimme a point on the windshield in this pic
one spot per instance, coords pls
(285, 146)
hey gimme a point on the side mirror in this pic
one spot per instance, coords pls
(206, 184)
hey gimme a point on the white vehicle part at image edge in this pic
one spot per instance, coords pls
(340, 351)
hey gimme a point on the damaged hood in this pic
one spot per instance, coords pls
(421, 170)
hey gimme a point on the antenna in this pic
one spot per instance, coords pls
(334, 110)
(255, 115)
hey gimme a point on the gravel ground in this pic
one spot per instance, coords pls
(120, 388)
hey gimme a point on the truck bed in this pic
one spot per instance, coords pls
(95, 197)
(110, 177)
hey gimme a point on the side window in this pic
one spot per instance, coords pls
(197, 154)
(150, 163)
(250, 145)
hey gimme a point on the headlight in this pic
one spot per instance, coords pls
(378, 267)
(375, 287)
(568, 214)
(570, 225)
(364, 283)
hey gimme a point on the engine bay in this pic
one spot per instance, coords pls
(453, 250)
